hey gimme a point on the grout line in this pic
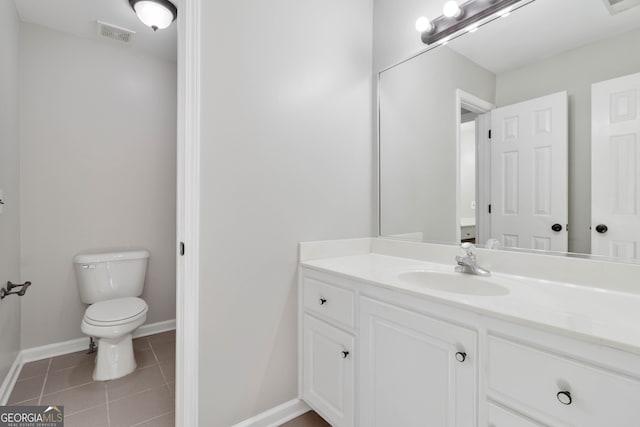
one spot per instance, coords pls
(81, 410)
(68, 388)
(106, 393)
(160, 367)
(44, 383)
(151, 419)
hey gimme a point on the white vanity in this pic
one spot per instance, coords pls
(391, 336)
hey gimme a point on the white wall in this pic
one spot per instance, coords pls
(467, 169)
(574, 71)
(286, 157)
(418, 141)
(98, 154)
(9, 183)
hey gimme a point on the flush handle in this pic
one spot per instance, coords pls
(564, 397)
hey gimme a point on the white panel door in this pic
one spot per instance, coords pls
(529, 174)
(328, 371)
(409, 374)
(615, 167)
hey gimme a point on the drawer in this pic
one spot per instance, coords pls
(537, 382)
(329, 301)
(500, 417)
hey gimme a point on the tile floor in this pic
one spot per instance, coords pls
(144, 398)
(310, 419)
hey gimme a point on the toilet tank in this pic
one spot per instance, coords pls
(110, 274)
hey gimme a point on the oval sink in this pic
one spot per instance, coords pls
(458, 283)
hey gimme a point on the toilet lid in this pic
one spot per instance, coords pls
(115, 310)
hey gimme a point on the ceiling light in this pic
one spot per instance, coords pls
(157, 14)
(451, 9)
(423, 24)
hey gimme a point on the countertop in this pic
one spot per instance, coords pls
(599, 315)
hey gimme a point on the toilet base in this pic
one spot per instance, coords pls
(115, 358)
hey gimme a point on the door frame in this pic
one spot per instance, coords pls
(187, 215)
(479, 106)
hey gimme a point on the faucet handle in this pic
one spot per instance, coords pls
(468, 249)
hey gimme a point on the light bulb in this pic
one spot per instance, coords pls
(451, 9)
(423, 24)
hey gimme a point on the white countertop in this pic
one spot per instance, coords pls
(603, 316)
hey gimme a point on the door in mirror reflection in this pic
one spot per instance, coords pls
(615, 229)
(529, 174)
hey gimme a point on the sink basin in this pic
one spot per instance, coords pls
(457, 283)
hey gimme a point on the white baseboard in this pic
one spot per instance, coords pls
(79, 344)
(277, 416)
(10, 380)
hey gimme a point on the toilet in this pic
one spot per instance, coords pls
(111, 282)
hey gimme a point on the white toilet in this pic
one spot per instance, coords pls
(111, 283)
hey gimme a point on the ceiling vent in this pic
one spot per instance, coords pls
(617, 6)
(114, 32)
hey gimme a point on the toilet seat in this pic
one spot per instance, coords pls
(116, 311)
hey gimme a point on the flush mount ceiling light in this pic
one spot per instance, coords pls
(463, 17)
(157, 14)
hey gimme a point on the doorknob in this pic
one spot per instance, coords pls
(556, 227)
(601, 228)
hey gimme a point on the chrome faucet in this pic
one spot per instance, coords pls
(467, 263)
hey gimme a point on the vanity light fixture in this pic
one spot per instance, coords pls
(462, 17)
(157, 14)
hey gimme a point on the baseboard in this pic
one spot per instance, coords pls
(79, 344)
(277, 416)
(10, 380)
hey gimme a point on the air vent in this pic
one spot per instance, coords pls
(114, 32)
(617, 6)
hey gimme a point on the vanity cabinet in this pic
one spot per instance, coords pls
(374, 356)
(415, 370)
(328, 369)
(559, 389)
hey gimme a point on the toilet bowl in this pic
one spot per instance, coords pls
(111, 282)
(112, 323)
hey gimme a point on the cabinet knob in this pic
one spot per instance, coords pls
(323, 301)
(461, 356)
(564, 397)
(345, 354)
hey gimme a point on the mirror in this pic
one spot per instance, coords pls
(558, 86)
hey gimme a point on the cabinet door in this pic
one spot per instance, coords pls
(415, 370)
(328, 371)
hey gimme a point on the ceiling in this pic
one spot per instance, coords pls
(542, 29)
(78, 17)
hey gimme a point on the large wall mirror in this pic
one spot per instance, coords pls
(522, 134)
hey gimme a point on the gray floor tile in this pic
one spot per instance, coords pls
(141, 407)
(26, 389)
(78, 398)
(141, 379)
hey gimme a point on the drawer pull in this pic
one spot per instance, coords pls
(461, 356)
(564, 397)
(323, 301)
(345, 354)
